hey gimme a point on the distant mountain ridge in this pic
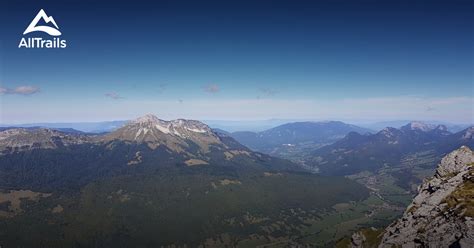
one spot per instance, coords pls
(355, 152)
(420, 126)
(21, 139)
(64, 130)
(293, 134)
(452, 127)
(87, 127)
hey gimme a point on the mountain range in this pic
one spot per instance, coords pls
(389, 147)
(154, 183)
(295, 140)
(178, 142)
(230, 126)
(86, 127)
(452, 127)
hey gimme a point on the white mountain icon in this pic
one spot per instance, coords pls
(49, 30)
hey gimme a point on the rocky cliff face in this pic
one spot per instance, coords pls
(173, 134)
(21, 139)
(442, 213)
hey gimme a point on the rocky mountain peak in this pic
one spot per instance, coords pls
(455, 162)
(418, 125)
(172, 127)
(442, 214)
(424, 127)
(389, 132)
(173, 134)
(146, 119)
(442, 128)
(468, 134)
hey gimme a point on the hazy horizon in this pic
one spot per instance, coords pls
(237, 125)
(237, 120)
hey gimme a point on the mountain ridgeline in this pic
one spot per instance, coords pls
(296, 141)
(295, 133)
(155, 183)
(147, 141)
(415, 144)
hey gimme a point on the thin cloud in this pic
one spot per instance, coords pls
(26, 90)
(429, 109)
(113, 95)
(212, 88)
(20, 90)
(162, 88)
(180, 101)
(268, 91)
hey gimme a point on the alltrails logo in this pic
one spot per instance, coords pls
(38, 42)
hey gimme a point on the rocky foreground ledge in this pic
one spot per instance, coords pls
(441, 215)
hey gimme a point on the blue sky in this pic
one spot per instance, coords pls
(241, 60)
